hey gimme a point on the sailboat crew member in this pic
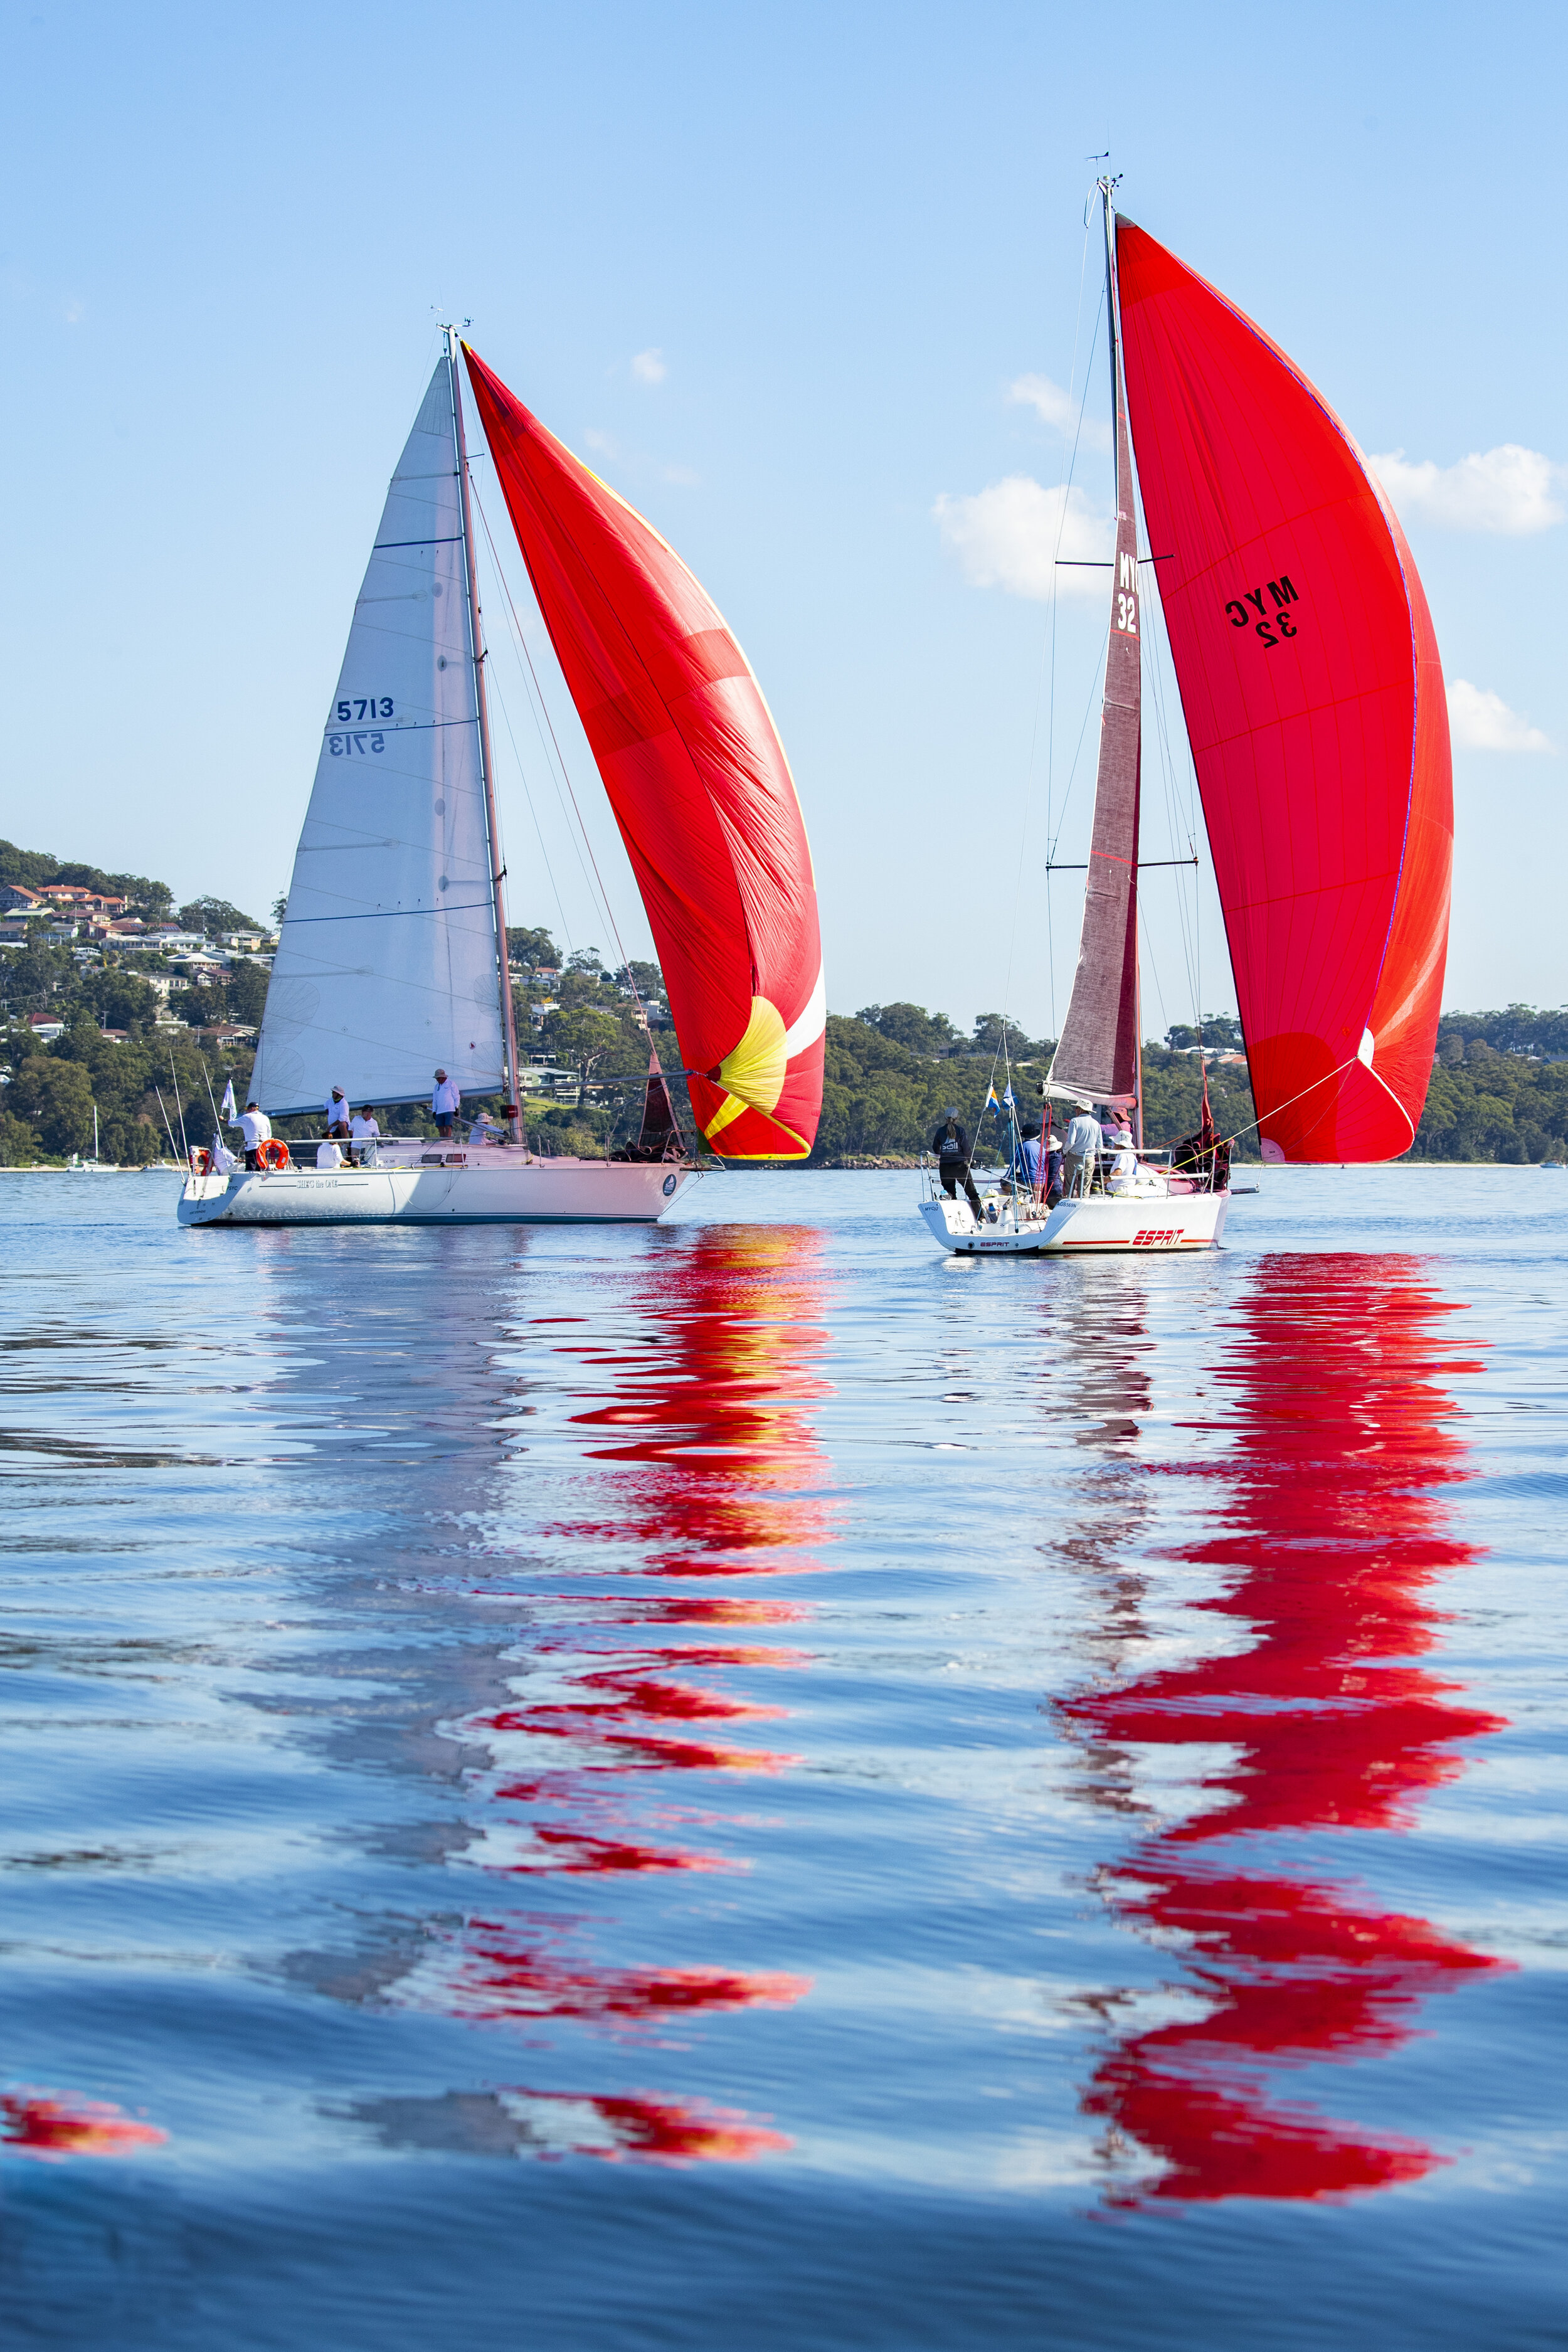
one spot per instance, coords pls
(1081, 1151)
(338, 1115)
(256, 1130)
(363, 1130)
(951, 1144)
(444, 1103)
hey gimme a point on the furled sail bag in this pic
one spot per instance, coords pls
(698, 780)
(1314, 703)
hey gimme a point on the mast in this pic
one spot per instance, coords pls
(1097, 1055)
(507, 1014)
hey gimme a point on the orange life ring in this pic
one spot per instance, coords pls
(273, 1153)
(202, 1160)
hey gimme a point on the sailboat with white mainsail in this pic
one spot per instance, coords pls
(392, 961)
(1312, 694)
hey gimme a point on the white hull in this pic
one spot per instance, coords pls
(495, 1186)
(1097, 1226)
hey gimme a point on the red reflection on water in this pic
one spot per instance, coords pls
(723, 1464)
(503, 1974)
(726, 1452)
(653, 2131)
(38, 2123)
(1331, 1518)
(578, 1853)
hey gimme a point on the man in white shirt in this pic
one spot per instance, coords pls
(1123, 1167)
(362, 1134)
(337, 1109)
(444, 1103)
(256, 1130)
(329, 1154)
(1081, 1151)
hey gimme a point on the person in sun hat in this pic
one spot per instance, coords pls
(444, 1103)
(1081, 1148)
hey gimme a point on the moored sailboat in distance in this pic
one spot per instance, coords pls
(1312, 695)
(392, 958)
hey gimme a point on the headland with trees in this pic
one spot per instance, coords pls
(166, 1007)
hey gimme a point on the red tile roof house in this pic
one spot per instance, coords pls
(46, 1027)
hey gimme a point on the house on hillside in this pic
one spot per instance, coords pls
(46, 1027)
(16, 899)
(543, 1080)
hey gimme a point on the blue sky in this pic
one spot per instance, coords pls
(838, 241)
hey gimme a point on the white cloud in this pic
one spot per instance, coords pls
(1510, 489)
(1010, 537)
(1055, 407)
(1482, 721)
(603, 444)
(648, 367)
(75, 312)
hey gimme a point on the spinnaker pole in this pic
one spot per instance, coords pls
(475, 637)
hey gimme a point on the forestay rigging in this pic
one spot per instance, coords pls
(389, 960)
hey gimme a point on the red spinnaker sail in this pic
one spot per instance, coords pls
(697, 778)
(1314, 703)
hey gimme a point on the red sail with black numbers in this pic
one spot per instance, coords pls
(1314, 704)
(698, 780)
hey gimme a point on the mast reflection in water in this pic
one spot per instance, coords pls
(1331, 1520)
(710, 1472)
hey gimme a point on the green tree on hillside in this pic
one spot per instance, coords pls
(213, 917)
(55, 1098)
(911, 1027)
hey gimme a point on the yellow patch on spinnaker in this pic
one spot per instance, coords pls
(753, 1073)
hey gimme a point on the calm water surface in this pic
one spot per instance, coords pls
(747, 1785)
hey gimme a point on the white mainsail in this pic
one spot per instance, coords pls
(389, 962)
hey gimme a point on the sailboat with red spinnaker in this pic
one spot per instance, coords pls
(1313, 698)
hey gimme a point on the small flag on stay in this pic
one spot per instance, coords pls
(229, 1112)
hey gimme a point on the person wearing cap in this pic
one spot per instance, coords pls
(338, 1115)
(444, 1103)
(256, 1130)
(950, 1145)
